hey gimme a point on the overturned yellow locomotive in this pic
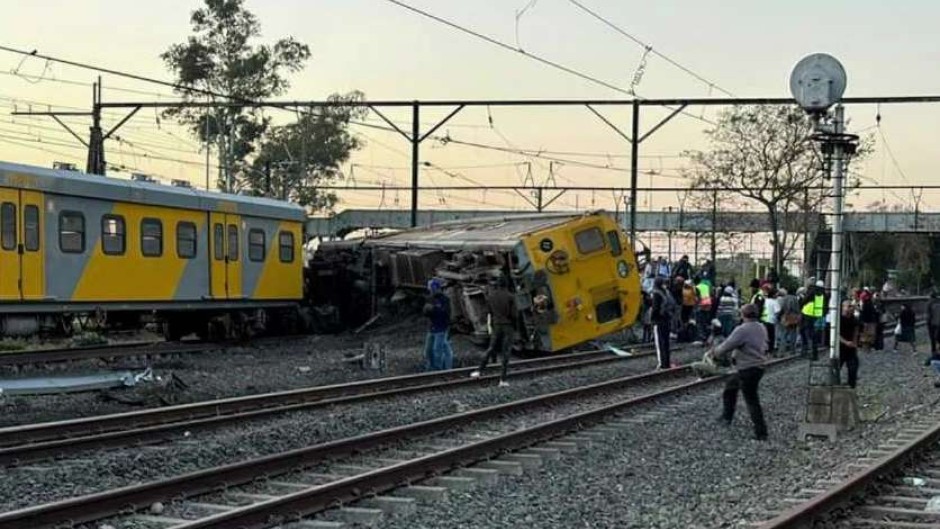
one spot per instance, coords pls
(574, 276)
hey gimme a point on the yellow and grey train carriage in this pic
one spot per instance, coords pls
(77, 244)
(574, 276)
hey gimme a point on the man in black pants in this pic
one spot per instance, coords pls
(502, 306)
(664, 307)
(848, 343)
(748, 342)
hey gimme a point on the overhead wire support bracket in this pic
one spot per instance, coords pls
(441, 123)
(665, 120)
(69, 129)
(609, 123)
(122, 122)
(391, 123)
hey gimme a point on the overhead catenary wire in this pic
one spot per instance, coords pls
(553, 64)
(651, 49)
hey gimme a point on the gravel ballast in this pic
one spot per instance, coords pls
(100, 470)
(689, 472)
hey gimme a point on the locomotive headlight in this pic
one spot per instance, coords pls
(623, 268)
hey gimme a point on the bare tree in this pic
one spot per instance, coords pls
(766, 155)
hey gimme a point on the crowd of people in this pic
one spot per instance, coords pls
(743, 329)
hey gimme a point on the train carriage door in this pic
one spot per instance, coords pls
(9, 256)
(32, 269)
(218, 257)
(233, 262)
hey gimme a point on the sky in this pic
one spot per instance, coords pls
(743, 47)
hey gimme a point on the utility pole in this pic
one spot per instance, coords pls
(634, 167)
(714, 225)
(415, 144)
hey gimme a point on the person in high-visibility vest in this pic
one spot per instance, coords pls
(704, 316)
(769, 316)
(813, 307)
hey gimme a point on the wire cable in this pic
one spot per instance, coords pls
(648, 47)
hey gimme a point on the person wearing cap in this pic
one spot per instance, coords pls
(747, 347)
(502, 311)
(728, 308)
(437, 351)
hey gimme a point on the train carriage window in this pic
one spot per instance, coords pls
(232, 242)
(218, 241)
(151, 237)
(113, 235)
(286, 246)
(71, 232)
(185, 240)
(614, 239)
(256, 244)
(8, 226)
(31, 227)
(589, 240)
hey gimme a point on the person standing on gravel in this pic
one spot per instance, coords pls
(437, 350)
(933, 321)
(747, 347)
(502, 307)
(848, 342)
(728, 308)
(664, 310)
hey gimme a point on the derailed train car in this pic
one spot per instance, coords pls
(574, 277)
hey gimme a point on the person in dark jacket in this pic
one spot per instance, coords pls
(437, 350)
(664, 308)
(907, 319)
(849, 331)
(502, 310)
(747, 347)
(868, 316)
(933, 321)
(683, 269)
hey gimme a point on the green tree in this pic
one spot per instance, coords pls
(765, 154)
(222, 57)
(294, 160)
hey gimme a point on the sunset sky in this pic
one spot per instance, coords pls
(744, 47)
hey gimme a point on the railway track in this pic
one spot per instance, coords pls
(278, 490)
(892, 488)
(33, 442)
(74, 354)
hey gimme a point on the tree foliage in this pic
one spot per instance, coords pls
(222, 57)
(295, 159)
(764, 155)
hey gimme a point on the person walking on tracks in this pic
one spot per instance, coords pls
(664, 310)
(502, 308)
(437, 350)
(747, 346)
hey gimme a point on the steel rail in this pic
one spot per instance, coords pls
(40, 441)
(101, 505)
(67, 354)
(105, 504)
(802, 515)
(320, 498)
